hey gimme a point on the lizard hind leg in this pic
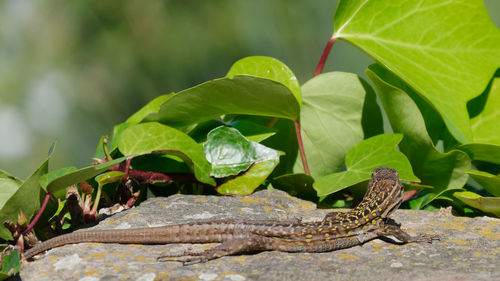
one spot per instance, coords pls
(226, 248)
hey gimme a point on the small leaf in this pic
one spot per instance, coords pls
(490, 182)
(332, 106)
(11, 264)
(270, 68)
(230, 152)
(26, 198)
(489, 205)
(362, 159)
(151, 137)
(298, 185)
(62, 178)
(446, 50)
(253, 131)
(7, 188)
(246, 183)
(109, 177)
(238, 95)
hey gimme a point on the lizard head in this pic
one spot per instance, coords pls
(385, 191)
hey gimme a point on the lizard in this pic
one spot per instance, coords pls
(368, 220)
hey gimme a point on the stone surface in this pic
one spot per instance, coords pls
(469, 248)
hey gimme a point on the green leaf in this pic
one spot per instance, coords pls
(154, 137)
(362, 159)
(482, 152)
(446, 50)
(442, 170)
(26, 198)
(151, 107)
(270, 68)
(298, 185)
(7, 188)
(332, 106)
(238, 95)
(230, 153)
(247, 182)
(490, 182)
(489, 205)
(109, 177)
(486, 144)
(285, 140)
(11, 264)
(7, 175)
(68, 176)
(485, 125)
(253, 131)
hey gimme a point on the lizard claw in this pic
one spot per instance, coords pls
(426, 238)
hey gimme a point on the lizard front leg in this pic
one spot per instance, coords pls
(396, 231)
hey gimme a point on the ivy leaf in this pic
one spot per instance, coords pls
(230, 153)
(490, 182)
(237, 95)
(11, 264)
(62, 178)
(486, 144)
(151, 107)
(332, 106)
(26, 199)
(270, 68)
(247, 182)
(109, 177)
(7, 188)
(362, 159)
(151, 137)
(441, 170)
(7, 175)
(253, 131)
(490, 205)
(446, 50)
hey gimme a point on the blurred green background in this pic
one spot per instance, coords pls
(70, 70)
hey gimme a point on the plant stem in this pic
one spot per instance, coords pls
(410, 194)
(271, 122)
(39, 214)
(301, 147)
(324, 56)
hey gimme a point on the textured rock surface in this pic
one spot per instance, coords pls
(469, 248)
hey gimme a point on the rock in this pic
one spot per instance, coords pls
(469, 249)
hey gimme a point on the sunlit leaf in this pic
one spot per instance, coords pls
(332, 106)
(154, 137)
(247, 182)
(489, 205)
(62, 178)
(238, 95)
(230, 153)
(490, 182)
(441, 170)
(270, 68)
(362, 159)
(446, 50)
